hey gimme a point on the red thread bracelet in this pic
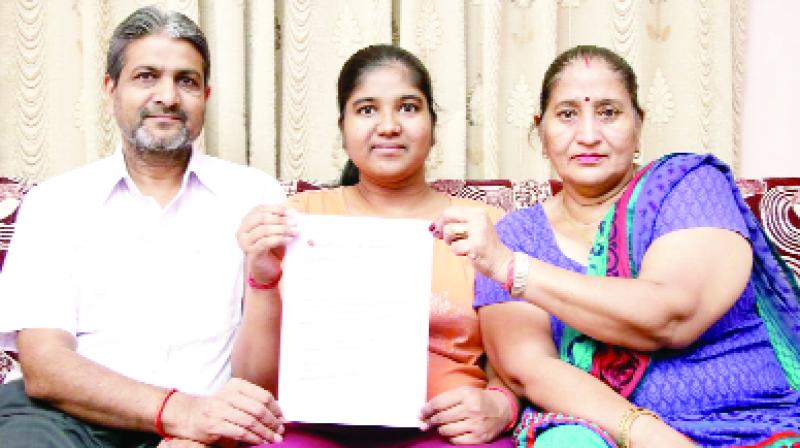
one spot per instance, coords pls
(256, 285)
(509, 276)
(159, 422)
(512, 400)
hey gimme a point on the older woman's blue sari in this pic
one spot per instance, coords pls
(619, 247)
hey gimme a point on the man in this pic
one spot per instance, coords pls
(124, 279)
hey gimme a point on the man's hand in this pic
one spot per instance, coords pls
(180, 443)
(186, 443)
(467, 415)
(239, 411)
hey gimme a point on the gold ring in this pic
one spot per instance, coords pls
(460, 234)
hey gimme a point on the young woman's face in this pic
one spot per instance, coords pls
(590, 130)
(387, 126)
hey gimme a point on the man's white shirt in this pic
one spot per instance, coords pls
(152, 293)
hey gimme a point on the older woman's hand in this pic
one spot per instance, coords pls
(467, 415)
(470, 232)
(263, 235)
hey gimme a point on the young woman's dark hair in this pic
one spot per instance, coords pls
(365, 60)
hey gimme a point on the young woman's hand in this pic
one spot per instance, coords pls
(467, 415)
(263, 235)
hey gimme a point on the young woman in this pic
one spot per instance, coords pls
(387, 121)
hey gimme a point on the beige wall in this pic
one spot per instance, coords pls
(771, 117)
(275, 63)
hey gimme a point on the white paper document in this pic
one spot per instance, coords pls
(354, 331)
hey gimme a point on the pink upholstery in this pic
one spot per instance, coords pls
(776, 202)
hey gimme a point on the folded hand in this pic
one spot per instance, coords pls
(239, 411)
(467, 415)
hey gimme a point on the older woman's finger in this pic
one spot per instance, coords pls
(458, 218)
(455, 231)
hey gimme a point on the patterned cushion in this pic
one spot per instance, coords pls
(11, 193)
(775, 201)
(7, 365)
(501, 193)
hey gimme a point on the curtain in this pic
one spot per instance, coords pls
(274, 65)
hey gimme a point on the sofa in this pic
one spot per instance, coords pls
(775, 201)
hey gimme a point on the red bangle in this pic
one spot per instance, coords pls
(512, 400)
(256, 285)
(159, 422)
(509, 276)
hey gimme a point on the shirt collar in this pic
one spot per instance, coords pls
(201, 169)
(112, 176)
(115, 177)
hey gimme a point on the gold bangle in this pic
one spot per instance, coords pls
(626, 421)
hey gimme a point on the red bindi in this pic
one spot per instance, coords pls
(586, 99)
(586, 60)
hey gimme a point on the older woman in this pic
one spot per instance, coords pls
(387, 121)
(637, 307)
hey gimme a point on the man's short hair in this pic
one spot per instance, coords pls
(150, 20)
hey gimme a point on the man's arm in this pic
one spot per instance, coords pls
(54, 372)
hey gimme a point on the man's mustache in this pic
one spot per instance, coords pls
(168, 112)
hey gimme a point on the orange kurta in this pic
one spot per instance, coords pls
(455, 340)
